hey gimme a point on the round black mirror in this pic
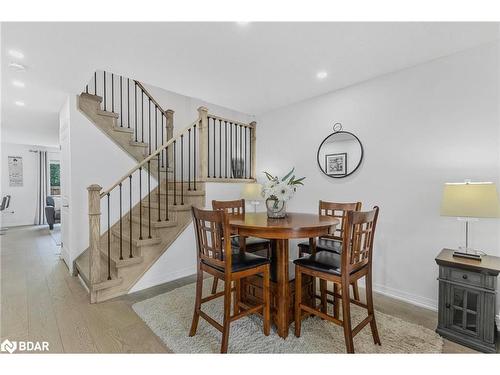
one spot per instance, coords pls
(340, 154)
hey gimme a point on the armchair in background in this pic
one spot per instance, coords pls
(52, 214)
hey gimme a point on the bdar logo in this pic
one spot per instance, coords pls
(8, 346)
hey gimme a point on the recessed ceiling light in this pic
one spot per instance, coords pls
(20, 103)
(18, 83)
(17, 67)
(16, 54)
(321, 75)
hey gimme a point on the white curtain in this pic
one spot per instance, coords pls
(42, 184)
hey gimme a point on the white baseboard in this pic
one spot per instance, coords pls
(416, 300)
(178, 274)
(83, 283)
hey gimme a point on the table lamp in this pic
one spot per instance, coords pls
(468, 201)
(252, 194)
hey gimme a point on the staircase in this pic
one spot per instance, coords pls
(133, 222)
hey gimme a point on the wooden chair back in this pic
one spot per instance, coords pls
(235, 207)
(211, 227)
(339, 211)
(357, 243)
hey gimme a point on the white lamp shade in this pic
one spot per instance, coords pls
(470, 200)
(252, 192)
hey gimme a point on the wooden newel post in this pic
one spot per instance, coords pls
(169, 125)
(94, 238)
(254, 149)
(202, 143)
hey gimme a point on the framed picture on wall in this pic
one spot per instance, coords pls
(336, 164)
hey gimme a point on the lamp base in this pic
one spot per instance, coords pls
(467, 255)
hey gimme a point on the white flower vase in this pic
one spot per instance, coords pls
(276, 209)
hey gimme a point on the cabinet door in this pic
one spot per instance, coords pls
(464, 310)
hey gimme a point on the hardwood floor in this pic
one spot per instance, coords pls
(41, 301)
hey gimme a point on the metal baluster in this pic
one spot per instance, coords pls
(128, 102)
(149, 121)
(241, 150)
(109, 242)
(95, 83)
(250, 136)
(175, 177)
(121, 229)
(208, 148)
(225, 141)
(104, 90)
(194, 157)
(130, 215)
(121, 103)
(245, 129)
(166, 186)
(162, 131)
(142, 116)
(87, 89)
(182, 169)
(220, 148)
(140, 203)
(158, 189)
(135, 110)
(189, 159)
(149, 198)
(215, 170)
(231, 149)
(112, 92)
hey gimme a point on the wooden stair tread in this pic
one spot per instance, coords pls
(138, 144)
(82, 264)
(123, 129)
(107, 113)
(136, 241)
(115, 255)
(88, 96)
(171, 206)
(157, 224)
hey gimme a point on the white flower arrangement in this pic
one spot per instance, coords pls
(281, 190)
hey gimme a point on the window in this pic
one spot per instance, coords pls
(55, 177)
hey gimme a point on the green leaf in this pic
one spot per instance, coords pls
(300, 179)
(288, 175)
(269, 177)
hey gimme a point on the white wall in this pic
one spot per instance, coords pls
(420, 127)
(93, 159)
(23, 198)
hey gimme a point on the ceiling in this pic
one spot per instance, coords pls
(253, 67)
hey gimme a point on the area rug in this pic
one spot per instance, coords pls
(169, 317)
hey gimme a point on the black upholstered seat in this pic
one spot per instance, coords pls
(242, 261)
(323, 261)
(322, 244)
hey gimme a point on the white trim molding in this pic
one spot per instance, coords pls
(413, 299)
(162, 279)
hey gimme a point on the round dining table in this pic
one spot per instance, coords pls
(280, 231)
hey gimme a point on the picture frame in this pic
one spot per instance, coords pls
(336, 164)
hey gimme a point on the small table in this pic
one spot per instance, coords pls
(294, 225)
(466, 306)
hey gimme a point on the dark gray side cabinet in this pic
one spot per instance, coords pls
(466, 306)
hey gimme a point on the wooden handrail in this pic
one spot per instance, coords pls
(150, 97)
(150, 157)
(251, 125)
